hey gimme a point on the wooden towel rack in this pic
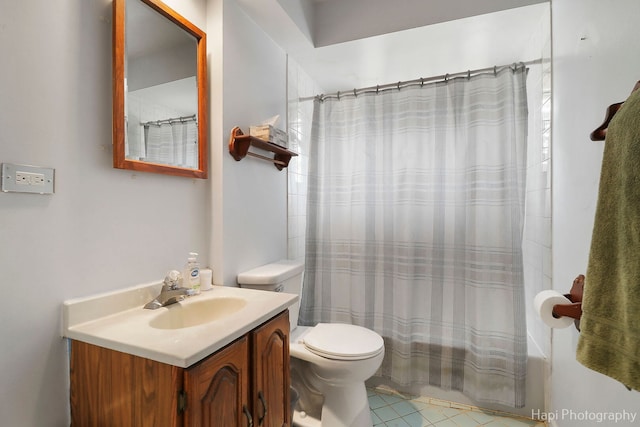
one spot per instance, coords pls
(601, 131)
(240, 143)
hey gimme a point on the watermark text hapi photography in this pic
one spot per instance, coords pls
(623, 416)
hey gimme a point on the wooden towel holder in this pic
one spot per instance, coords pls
(240, 143)
(601, 131)
(573, 310)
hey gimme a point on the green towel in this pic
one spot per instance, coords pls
(610, 326)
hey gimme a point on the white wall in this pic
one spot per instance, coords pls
(250, 207)
(596, 62)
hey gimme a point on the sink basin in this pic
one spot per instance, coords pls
(195, 313)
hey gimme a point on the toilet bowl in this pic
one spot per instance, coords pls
(334, 360)
(329, 362)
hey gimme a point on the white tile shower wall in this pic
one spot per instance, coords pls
(300, 112)
(537, 230)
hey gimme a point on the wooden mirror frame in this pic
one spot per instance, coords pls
(119, 129)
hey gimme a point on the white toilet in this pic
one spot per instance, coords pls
(329, 362)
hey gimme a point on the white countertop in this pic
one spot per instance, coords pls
(118, 321)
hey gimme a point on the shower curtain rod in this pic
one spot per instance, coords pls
(172, 120)
(422, 81)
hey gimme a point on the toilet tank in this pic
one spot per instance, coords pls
(281, 276)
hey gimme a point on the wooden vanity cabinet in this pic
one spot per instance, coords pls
(242, 385)
(110, 388)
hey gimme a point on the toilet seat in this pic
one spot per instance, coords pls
(339, 341)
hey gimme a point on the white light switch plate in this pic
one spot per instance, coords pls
(27, 179)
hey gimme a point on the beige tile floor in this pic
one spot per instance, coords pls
(393, 409)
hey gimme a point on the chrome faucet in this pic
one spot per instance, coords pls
(171, 292)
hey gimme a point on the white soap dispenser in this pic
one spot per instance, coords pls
(191, 274)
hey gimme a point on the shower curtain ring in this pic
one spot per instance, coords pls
(377, 89)
(355, 94)
(421, 82)
(495, 70)
(399, 85)
(468, 74)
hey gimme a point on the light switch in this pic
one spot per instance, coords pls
(27, 179)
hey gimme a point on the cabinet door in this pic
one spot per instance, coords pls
(270, 355)
(218, 389)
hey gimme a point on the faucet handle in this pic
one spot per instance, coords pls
(172, 279)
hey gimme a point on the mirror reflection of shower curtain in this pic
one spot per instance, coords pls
(173, 144)
(415, 213)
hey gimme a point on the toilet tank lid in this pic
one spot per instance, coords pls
(271, 273)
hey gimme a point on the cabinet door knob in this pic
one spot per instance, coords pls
(248, 415)
(264, 408)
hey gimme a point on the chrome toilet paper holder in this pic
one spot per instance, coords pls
(573, 310)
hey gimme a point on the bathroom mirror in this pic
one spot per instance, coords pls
(159, 90)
